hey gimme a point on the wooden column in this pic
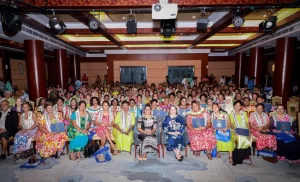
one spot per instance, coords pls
(61, 70)
(256, 64)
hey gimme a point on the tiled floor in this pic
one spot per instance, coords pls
(125, 168)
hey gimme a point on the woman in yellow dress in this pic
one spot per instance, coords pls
(123, 128)
(239, 120)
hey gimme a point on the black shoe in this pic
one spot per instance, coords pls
(2, 157)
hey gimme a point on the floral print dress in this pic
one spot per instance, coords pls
(174, 124)
(201, 140)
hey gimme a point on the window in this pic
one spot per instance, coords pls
(133, 74)
(177, 73)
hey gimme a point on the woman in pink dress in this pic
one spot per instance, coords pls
(259, 127)
(201, 138)
(104, 124)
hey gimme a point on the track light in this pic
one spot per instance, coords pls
(269, 25)
(10, 19)
(131, 23)
(237, 19)
(94, 25)
(167, 28)
(57, 26)
(202, 22)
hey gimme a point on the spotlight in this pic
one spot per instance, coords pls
(94, 25)
(237, 19)
(57, 27)
(131, 24)
(202, 22)
(167, 28)
(269, 25)
(11, 22)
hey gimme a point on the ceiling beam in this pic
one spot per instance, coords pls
(86, 17)
(55, 4)
(157, 30)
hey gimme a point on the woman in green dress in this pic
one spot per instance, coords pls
(239, 121)
(123, 128)
(223, 145)
(78, 131)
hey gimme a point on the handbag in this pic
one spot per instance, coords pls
(224, 137)
(26, 154)
(90, 149)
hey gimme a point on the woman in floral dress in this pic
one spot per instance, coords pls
(78, 131)
(173, 127)
(28, 125)
(48, 143)
(147, 124)
(259, 124)
(104, 126)
(114, 108)
(201, 138)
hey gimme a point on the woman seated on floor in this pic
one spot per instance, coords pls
(201, 137)
(174, 126)
(48, 143)
(122, 132)
(78, 131)
(147, 124)
(259, 127)
(104, 125)
(239, 121)
(288, 144)
(28, 128)
(225, 143)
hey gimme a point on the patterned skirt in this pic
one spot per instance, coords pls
(148, 144)
(48, 144)
(22, 140)
(263, 141)
(202, 140)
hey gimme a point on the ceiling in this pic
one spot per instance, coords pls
(221, 35)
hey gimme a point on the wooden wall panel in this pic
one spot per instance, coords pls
(92, 69)
(17, 78)
(221, 68)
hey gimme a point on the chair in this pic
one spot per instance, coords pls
(293, 108)
(294, 98)
(276, 100)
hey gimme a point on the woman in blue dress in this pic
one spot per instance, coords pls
(78, 131)
(174, 126)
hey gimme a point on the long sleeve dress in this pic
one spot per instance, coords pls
(175, 124)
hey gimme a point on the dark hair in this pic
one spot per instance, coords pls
(92, 100)
(238, 102)
(147, 105)
(126, 102)
(153, 100)
(246, 98)
(259, 104)
(82, 102)
(108, 102)
(203, 95)
(195, 102)
(181, 100)
(140, 96)
(76, 104)
(111, 103)
(171, 94)
(40, 101)
(130, 100)
(60, 98)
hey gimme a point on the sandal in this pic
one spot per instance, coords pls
(230, 160)
(116, 152)
(219, 156)
(72, 157)
(140, 158)
(209, 156)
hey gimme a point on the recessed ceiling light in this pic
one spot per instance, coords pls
(123, 17)
(240, 33)
(181, 34)
(157, 34)
(49, 46)
(193, 17)
(76, 35)
(265, 15)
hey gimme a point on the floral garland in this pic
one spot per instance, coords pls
(29, 122)
(258, 120)
(78, 118)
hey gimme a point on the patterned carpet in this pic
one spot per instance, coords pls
(125, 168)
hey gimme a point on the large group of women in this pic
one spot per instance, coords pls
(117, 113)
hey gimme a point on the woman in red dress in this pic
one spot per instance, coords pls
(260, 124)
(201, 138)
(105, 124)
